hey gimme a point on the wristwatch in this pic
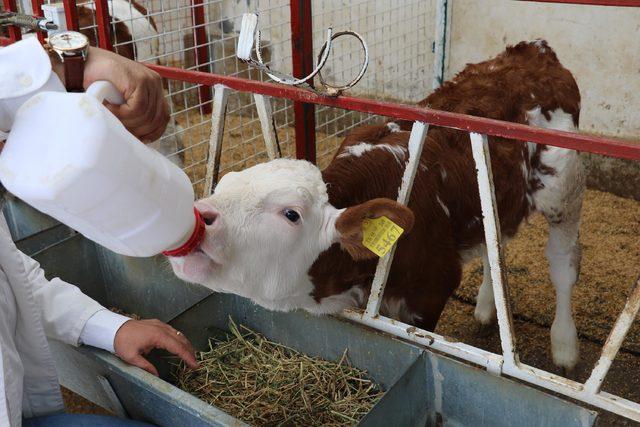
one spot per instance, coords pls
(72, 48)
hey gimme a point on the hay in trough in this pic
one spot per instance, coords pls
(265, 383)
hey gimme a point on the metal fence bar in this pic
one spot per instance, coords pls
(615, 340)
(36, 9)
(15, 33)
(493, 240)
(302, 65)
(71, 15)
(574, 390)
(491, 361)
(573, 141)
(494, 363)
(220, 98)
(440, 43)
(416, 142)
(103, 24)
(201, 43)
(265, 114)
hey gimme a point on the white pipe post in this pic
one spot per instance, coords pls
(482, 158)
(218, 115)
(416, 142)
(440, 42)
(265, 114)
(614, 340)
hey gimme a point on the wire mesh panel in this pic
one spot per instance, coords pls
(202, 35)
(400, 40)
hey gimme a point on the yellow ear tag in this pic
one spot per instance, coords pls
(379, 234)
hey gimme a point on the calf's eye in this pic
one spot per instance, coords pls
(291, 215)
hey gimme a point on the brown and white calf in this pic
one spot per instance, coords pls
(288, 236)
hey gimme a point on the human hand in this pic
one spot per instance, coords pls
(145, 112)
(136, 338)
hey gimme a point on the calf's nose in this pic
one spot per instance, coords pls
(209, 214)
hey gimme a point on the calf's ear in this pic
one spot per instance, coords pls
(349, 224)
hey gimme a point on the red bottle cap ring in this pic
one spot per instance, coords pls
(193, 242)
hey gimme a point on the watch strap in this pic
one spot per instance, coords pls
(74, 73)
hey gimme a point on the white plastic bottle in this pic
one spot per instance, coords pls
(68, 156)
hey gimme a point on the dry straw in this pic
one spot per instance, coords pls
(266, 383)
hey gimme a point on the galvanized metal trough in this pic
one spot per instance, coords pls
(422, 387)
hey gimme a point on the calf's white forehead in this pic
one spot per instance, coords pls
(258, 181)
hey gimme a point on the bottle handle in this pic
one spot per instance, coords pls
(105, 91)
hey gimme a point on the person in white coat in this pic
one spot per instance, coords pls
(34, 309)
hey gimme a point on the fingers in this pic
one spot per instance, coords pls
(180, 337)
(143, 363)
(145, 112)
(186, 342)
(174, 344)
(134, 114)
(136, 338)
(156, 127)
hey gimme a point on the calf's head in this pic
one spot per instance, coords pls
(265, 228)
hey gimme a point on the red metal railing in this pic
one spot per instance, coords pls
(606, 146)
(71, 15)
(14, 32)
(302, 58)
(201, 42)
(36, 9)
(103, 24)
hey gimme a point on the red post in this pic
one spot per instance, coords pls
(15, 34)
(201, 42)
(104, 24)
(302, 58)
(36, 7)
(71, 15)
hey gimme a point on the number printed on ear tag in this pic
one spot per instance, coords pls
(379, 234)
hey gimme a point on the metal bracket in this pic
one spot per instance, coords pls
(249, 34)
(26, 21)
(117, 407)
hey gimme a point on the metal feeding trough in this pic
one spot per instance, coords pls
(422, 387)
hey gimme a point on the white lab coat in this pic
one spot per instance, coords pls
(32, 308)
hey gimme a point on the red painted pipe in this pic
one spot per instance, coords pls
(201, 42)
(104, 24)
(593, 144)
(302, 62)
(71, 15)
(36, 8)
(15, 33)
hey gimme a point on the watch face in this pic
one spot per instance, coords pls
(68, 41)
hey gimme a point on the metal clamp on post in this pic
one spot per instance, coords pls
(26, 21)
(250, 34)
